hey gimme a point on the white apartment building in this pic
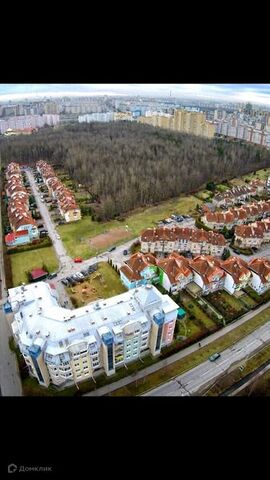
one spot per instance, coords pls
(96, 117)
(61, 345)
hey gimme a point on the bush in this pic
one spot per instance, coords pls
(200, 224)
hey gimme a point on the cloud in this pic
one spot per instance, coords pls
(254, 93)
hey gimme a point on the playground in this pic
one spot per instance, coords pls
(103, 283)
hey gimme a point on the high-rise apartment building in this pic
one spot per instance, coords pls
(182, 121)
(61, 345)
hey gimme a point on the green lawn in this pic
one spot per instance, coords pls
(25, 261)
(76, 235)
(247, 301)
(193, 307)
(260, 175)
(108, 285)
(187, 327)
(203, 195)
(194, 359)
(231, 300)
(222, 188)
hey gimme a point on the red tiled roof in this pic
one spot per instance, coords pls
(207, 267)
(236, 267)
(38, 272)
(261, 266)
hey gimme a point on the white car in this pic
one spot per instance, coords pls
(58, 237)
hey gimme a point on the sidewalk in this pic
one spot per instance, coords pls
(177, 356)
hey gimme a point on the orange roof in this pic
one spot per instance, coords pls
(261, 266)
(236, 267)
(207, 267)
(175, 266)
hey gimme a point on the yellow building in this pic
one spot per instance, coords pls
(182, 121)
(122, 116)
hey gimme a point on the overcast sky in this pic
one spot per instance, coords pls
(254, 93)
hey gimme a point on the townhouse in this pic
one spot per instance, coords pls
(139, 270)
(252, 235)
(165, 240)
(207, 273)
(61, 346)
(236, 216)
(260, 279)
(23, 225)
(175, 272)
(237, 274)
(67, 205)
(259, 186)
(237, 194)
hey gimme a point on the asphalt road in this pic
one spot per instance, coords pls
(264, 251)
(42, 206)
(177, 356)
(191, 382)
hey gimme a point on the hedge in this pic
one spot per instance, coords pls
(33, 246)
(200, 224)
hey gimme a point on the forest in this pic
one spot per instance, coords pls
(127, 165)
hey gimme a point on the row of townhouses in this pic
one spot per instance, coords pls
(252, 235)
(164, 240)
(65, 199)
(24, 227)
(176, 272)
(236, 216)
(61, 345)
(231, 197)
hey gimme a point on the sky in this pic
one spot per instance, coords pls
(253, 93)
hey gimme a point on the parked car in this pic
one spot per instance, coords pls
(52, 275)
(125, 252)
(58, 237)
(214, 357)
(65, 282)
(77, 260)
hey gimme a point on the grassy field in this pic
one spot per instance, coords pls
(222, 188)
(187, 327)
(200, 316)
(248, 301)
(108, 284)
(25, 261)
(203, 195)
(231, 300)
(76, 236)
(194, 359)
(260, 175)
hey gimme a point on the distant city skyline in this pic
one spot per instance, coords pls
(239, 93)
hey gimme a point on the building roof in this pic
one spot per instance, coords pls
(261, 266)
(136, 264)
(38, 314)
(207, 267)
(11, 237)
(38, 273)
(175, 266)
(236, 267)
(177, 233)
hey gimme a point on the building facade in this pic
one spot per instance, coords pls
(166, 240)
(62, 346)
